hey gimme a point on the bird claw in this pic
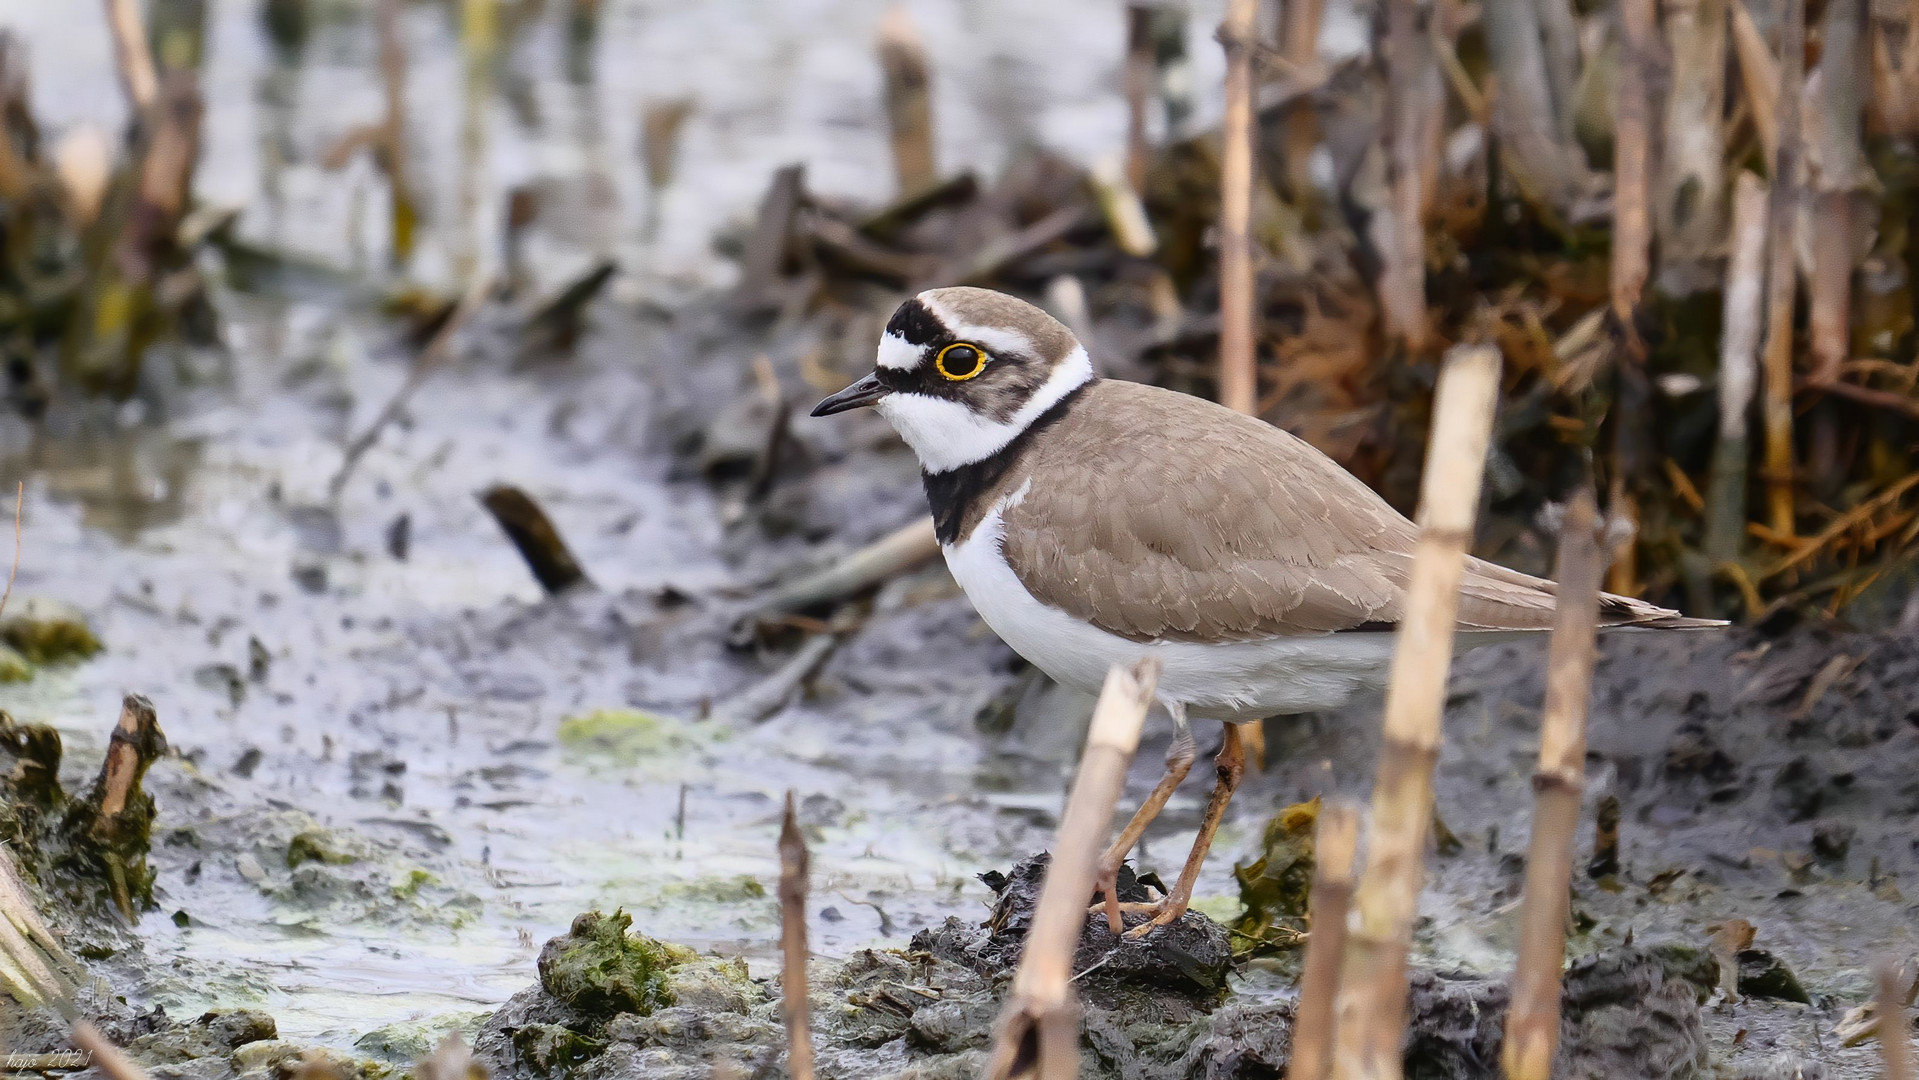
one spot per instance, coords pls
(1165, 912)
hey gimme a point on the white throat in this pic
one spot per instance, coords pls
(946, 434)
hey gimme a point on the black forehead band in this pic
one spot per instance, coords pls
(915, 324)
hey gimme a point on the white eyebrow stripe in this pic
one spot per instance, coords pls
(897, 353)
(993, 338)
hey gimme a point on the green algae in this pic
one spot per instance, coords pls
(48, 632)
(1273, 888)
(628, 736)
(602, 970)
(323, 846)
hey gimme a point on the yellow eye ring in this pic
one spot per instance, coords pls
(979, 358)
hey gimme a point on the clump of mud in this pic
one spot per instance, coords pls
(613, 1005)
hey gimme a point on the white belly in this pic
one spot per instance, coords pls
(1237, 681)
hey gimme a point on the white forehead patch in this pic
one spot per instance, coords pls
(897, 353)
(947, 434)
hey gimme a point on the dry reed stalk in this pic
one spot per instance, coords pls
(794, 867)
(34, 968)
(901, 550)
(1038, 1032)
(1893, 106)
(1120, 205)
(1738, 368)
(1141, 68)
(660, 124)
(1543, 164)
(1758, 74)
(1335, 846)
(1238, 388)
(431, 359)
(1372, 1000)
(106, 1057)
(909, 100)
(132, 55)
(1895, 1045)
(1403, 282)
(404, 218)
(1691, 206)
(83, 163)
(1842, 171)
(479, 40)
(1532, 1024)
(1782, 273)
(1632, 149)
(1300, 122)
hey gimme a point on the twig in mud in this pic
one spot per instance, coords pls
(132, 56)
(19, 500)
(793, 886)
(1038, 1031)
(901, 550)
(1532, 1023)
(1334, 847)
(1238, 388)
(534, 536)
(431, 359)
(764, 699)
(106, 1057)
(909, 103)
(1738, 368)
(1372, 1003)
(1782, 280)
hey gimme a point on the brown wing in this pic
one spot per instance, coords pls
(1228, 531)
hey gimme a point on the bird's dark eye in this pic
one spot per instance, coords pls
(960, 361)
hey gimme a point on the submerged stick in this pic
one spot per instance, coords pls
(909, 100)
(1895, 1045)
(1782, 273)
(794, 867)
(1334, 847)
(535, 537)
(1038, 1032)
(1738, 368)
(896, 552)
(1372, 1004)
(1237, 383)
(1532, 1024)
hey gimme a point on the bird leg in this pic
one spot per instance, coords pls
(1229, 766)
(1179, 761)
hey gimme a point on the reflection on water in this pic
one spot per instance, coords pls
(562, 86)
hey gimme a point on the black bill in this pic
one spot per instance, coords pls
(857, 396)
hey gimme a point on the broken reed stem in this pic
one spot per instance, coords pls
(1758, 75)
(1895, 1045)
(1782, 281)
(1403, 288)
(535, 538)
(794, 867)
(431, 359)
(1632, 175)
(1738, 368)
(909, 100)
(132, 55)
(1532, 1023)
(1335, 845)
(1691, 207)
(1038, 1032)
(1237, 382)
(1372, 1001)
(896, 552)
(19, 500)
(106, 1057)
